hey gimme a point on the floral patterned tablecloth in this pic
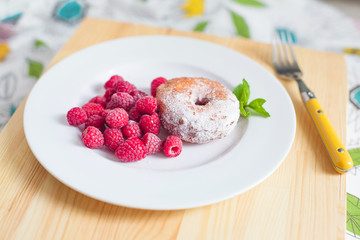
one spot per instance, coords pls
(31, 32)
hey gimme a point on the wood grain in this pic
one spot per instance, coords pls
(303, 199)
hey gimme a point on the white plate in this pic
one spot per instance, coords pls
(203, 173)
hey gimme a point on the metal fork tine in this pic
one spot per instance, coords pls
(278, 48)
(292, 50)
(284, 43)
(273, 51)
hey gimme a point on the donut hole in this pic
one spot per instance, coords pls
(202, 101)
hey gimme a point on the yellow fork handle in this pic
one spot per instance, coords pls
(340, 157)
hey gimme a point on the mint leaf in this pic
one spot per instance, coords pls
(253, 3)
(238, 91)
(200, 27)
(256, 105)
(245, 93)
(245, 113)
(242, 93)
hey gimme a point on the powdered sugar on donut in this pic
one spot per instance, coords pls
(197, 110)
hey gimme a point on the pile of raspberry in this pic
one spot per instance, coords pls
(125, 120)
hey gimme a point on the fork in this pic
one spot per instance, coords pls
(286, 65)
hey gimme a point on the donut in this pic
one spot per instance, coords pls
(197, 110)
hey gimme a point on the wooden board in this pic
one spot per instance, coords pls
(303, 199)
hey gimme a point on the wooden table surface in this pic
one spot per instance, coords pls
(303, 199)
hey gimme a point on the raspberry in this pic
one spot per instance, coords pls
(76, 116)
(117, 118)
(137, 94)
(113, 138)
(113, 81)
(96, 121)
(146, 105)
(134, 114)
(121, 100)
(92, 109)
(172, 146)
(152, 143)
(155, 83)
(92, 137)
(132, 129)
(99, 99)
(150, 124)
(124, 86)
(105, 113)
(108, 93)
(133, 149)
